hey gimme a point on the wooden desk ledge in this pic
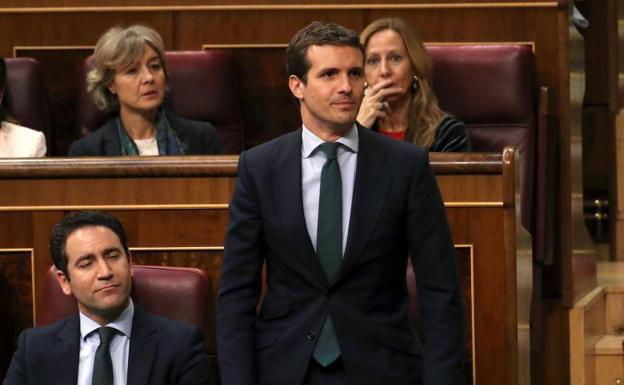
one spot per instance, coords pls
(610, 345)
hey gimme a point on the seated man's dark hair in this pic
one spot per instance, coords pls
(78, 220)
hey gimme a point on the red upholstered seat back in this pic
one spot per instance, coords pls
(28, 95)
(179, 293)
(494, 90)
(201, 86)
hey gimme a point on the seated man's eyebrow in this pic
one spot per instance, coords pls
(84, 257)
(110, 250)
(327, 70)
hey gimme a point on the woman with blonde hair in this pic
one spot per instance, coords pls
(129, 78)
(399, 101)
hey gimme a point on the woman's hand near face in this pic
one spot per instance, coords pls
(373, 105)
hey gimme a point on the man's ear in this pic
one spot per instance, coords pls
(63, 282)
(130, 263)
(296, 86)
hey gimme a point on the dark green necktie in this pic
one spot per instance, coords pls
(329, 243)
(103, 365)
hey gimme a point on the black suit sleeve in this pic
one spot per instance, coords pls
(194, 368)
(451, 136)
(79, 149)
(16, 375)
(240, 283)
(211, 142)
(437, 279)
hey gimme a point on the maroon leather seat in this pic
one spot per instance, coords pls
(494, 90)
(28, 95)
(201, 86)
(179, 293)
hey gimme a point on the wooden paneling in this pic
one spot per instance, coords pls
(279, 3)
(71, 29)
(596, 326)
(465, 261)
(59, 193)
(619, 181)
(586, 326)
(485, 293)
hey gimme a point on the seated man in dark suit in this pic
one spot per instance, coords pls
(111, 341)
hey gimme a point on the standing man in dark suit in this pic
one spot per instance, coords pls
(333, 210)
(110, 341)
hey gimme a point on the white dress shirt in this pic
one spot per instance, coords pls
(147, 146)
(312, 161)
(20, 142)
(119, 347)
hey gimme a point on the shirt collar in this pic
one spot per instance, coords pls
(310, 141)
(123, 323)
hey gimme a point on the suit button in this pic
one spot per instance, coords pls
(311, 335)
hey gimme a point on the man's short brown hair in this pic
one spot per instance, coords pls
(316, 33)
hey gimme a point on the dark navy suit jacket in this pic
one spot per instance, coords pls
(197, 138)
(162, 352)
(397, 210)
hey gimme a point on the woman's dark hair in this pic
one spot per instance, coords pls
(4, 92)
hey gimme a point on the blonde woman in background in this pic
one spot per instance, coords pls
(130, 78)
(399, 101)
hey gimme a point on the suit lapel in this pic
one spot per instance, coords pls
(286, 185)
(112, 146)
(143, 344)
(64, 358)
(184, 136)
(372, 182)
